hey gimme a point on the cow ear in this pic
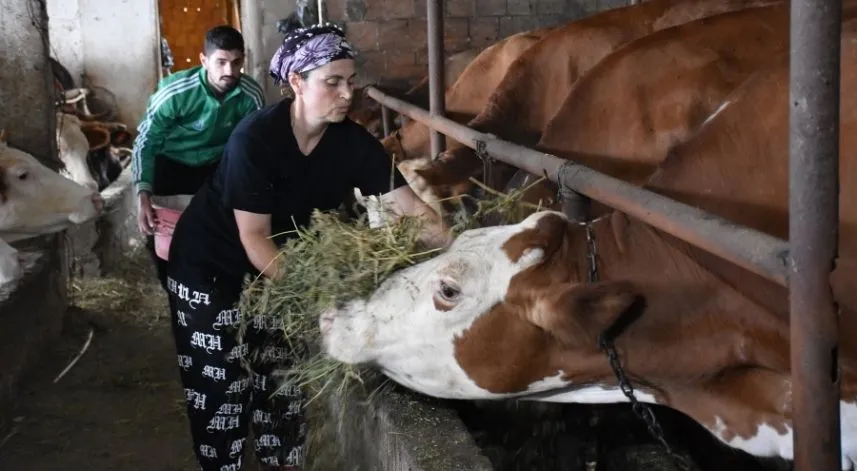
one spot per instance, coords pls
(582, 312)
(452, 167)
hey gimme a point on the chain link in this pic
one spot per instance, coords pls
(487, 161)
(640, 409)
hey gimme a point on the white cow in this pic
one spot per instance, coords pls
(35, 200)
(73, 148)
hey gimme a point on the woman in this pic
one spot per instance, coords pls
(280, 163)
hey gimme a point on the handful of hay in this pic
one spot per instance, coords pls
(331, 261)
(335, 260)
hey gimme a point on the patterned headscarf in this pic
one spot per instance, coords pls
(309, 48)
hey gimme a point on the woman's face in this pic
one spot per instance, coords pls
(327, 91)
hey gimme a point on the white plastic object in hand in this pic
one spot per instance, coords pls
(374, 210)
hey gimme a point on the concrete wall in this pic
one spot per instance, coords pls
(66, 35)
(26, 106)
(32, 314)
(396, 429)
(258, 25)
(111, 44)
(121, 51)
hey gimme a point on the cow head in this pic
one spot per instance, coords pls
(73, 146)
(499, 313)
(36, 200)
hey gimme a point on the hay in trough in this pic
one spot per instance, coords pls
(335, 260)
(498, 209)
(330, 262)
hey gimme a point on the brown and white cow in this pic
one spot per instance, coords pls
(73, 147)
(654, 70)
(467, 95)
(35, 200)
(367, 112)
(91, 151)
(509, 310)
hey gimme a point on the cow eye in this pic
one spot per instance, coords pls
(23, 175)
(449, 291)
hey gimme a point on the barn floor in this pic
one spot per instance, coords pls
(121, 407)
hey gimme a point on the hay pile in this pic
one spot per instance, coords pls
(334, 260)
(331, 261)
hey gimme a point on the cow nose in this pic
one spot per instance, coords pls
(325, 321)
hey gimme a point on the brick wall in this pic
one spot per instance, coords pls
(391, 34)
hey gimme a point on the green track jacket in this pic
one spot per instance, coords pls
(186, 123)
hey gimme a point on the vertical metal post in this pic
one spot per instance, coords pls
(385, 120)
(437, 107)
(320, 11)
(813, 231)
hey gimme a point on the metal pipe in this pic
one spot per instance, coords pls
(385, 120)
(437, 107)
(320, 11)
(813, 231)
(755, 251)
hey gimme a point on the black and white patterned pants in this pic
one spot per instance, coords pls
(223, 397)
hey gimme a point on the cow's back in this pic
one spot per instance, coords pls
(737, 166)
(468, 94)
(627, 112)
(535, 85)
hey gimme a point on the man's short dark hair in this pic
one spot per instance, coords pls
(223, 37)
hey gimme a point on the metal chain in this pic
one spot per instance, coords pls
(487, 161)
(591, 250)
(641, 410)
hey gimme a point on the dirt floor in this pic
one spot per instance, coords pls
(121, 407)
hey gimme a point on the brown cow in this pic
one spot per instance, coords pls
(510, 310)
(467, 95)
(538, 84)
(367, 112)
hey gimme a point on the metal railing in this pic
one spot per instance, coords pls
(803, 264)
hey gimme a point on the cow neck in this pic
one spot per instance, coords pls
(698, 346)
(693, 325)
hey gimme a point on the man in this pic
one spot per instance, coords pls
(187, 122)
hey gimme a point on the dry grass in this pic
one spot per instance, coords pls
(131, 289)
(336, 260)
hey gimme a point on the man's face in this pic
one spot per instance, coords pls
(223, 68)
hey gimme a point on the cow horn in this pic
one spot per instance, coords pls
(2, 137)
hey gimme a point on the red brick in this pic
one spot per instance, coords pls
(411, 72)
(519, 7)
(456, 35)
(484, 31)
(490, 7)
(364, 35)
(374, 9)
(459, 8)
(420, 9)
(401, 35)
(398, 9)
(335, 10)
(399, 59)
(371, 66)
(550, 7)
(510, 25)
